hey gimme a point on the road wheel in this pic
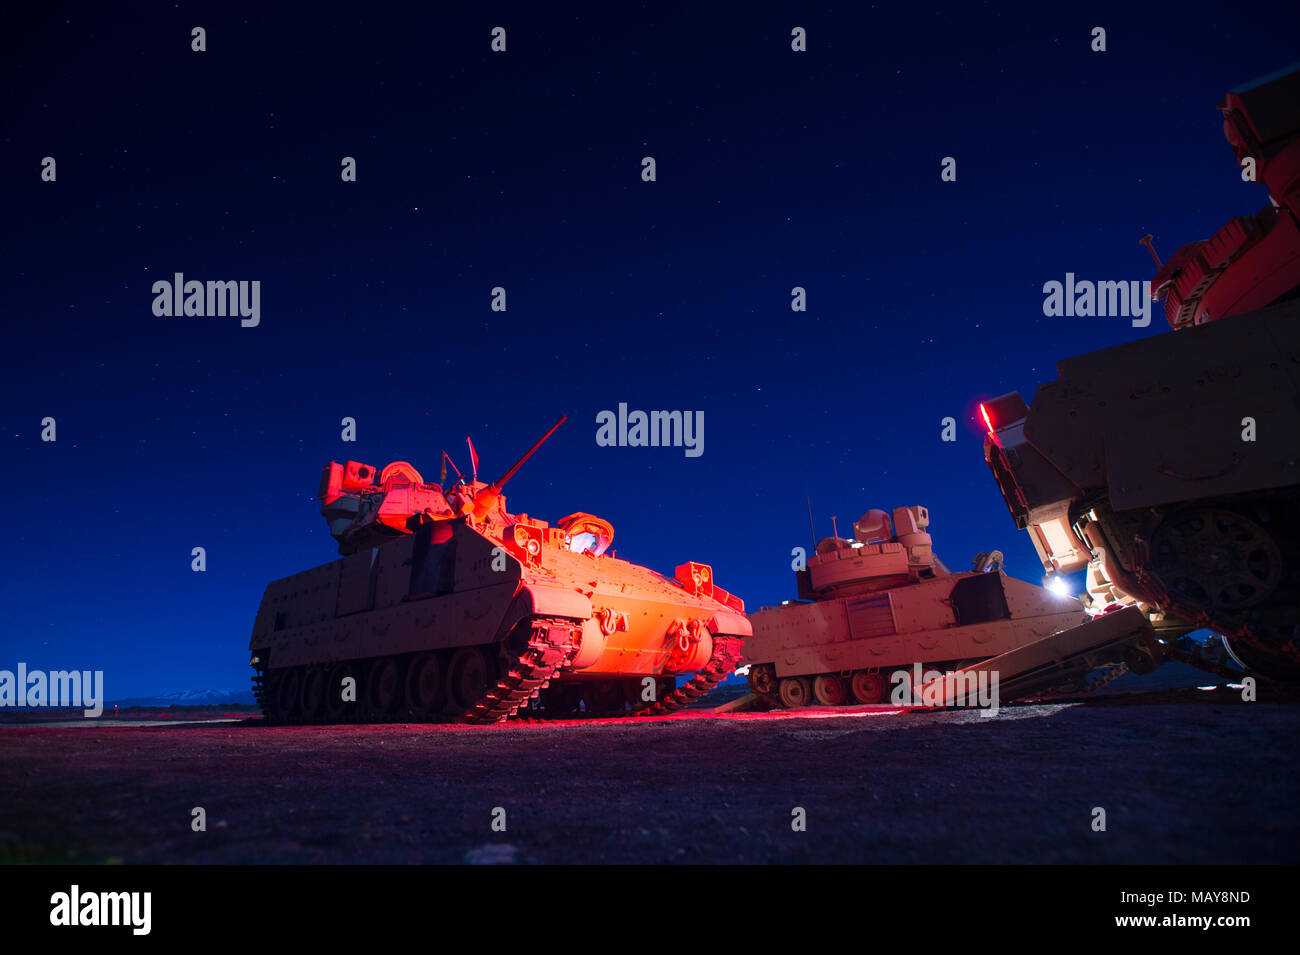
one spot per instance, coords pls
(287, 686)
(796, 691)
(762, 679)
(425, 686)
(341, 693)
(383, 688)
(1215, 559)
(830, 690)
(868, 687)
(469, 677)
(312, 696)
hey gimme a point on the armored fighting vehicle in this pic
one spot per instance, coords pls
(1169, 467)
(882, 603)
(446, 606)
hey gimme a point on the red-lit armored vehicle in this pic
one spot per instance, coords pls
(883, 602)
(1169, 467)
(445, 606)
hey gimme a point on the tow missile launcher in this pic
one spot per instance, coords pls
(1169, 467)
(446, 606)
(882, 603)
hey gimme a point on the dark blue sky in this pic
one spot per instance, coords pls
(522, 169)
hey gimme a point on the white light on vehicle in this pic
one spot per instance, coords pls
(1058, 586)
(581, 542)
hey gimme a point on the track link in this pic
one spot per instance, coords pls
(551, 646)
(726, 656)
(547, 646)
(1237, 627)
(1227, 626)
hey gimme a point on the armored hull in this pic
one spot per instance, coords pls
(445, 606)
(1169, 467)
(877, 606)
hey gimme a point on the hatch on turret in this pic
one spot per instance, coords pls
(979, 599)
(587, 533)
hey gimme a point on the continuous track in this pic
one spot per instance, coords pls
(503, 680)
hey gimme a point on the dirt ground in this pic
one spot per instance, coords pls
(1183, 777)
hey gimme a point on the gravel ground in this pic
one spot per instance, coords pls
(1184, 777)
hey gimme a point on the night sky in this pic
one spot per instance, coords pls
(522, 169)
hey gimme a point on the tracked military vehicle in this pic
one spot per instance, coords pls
(1169, 467)
(881, 603)
(446, 606)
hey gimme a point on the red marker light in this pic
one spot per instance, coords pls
(985, 412)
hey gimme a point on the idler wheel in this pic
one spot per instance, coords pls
(469, 677)
(425, 686)
(1215, 559)
(830, 690)
(287, 686)
(383, 687)
(796, 691)
(338, 709)
(868, 687)
(312, 695)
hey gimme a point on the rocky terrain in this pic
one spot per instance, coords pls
(1184, 776)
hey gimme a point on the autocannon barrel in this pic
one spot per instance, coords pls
(500, 482)
(487, 497)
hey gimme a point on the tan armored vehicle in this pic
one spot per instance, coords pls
(883, 602)
(1169, 467)
(445, 606)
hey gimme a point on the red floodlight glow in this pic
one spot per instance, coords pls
(985, 412)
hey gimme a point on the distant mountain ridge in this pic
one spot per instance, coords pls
(190, 698)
